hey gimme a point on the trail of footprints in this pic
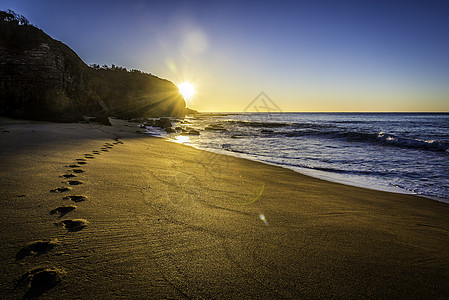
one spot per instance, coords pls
(41, 279)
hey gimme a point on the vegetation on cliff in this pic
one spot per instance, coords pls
(41, 78)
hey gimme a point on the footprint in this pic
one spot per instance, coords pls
(78, 171)
(80, 159)
(60, 189)
(88, 155)
(39, 280)
(63, 210)
(75, 198)
(74, 225)
(105, 150)
(82, 162)
(117, 141)
(73, 166)
(35, 248)
(68, 175)
(74, 182)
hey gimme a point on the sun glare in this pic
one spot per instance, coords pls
(187, 90)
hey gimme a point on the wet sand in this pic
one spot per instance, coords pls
(94, 211)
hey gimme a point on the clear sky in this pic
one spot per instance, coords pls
(321, 55)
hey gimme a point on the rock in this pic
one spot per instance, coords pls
(267, 131)
(193, 132)
(163, 123)
(237, 136)
(170, 130)
(43, 79)
(190, 111)
(104, 120)
(215, 127)
(71, 117)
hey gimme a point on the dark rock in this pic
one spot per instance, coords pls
(170, 130)
(190, 111)
(71, 117)
(104, 120)
(215, 127)
(43, 79)
(163, 123)
(237, 136)
(193, 132)
(267, 131)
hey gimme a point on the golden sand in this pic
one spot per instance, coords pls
(145, 218)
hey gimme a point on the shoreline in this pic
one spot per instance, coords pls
(170, 221)
(326, 176)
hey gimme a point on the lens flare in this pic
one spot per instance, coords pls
(187, 90)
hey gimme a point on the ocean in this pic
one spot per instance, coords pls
(398, 152)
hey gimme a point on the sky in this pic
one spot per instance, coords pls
(306, 56)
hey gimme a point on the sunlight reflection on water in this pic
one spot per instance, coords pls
(181, 139)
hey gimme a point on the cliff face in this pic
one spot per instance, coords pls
(41, 78)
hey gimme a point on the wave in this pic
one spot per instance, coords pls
(390, 139)
(330, 132)
(294, 125)
(381, 138)
(324, 130)
(258, 124)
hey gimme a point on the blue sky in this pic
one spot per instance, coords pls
(306, 55)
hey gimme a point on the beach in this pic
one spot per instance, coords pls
(154, 219)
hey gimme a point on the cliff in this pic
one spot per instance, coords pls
(41, 78)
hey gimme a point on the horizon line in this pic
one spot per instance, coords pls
(343, 112)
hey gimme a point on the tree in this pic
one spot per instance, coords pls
(11, 16)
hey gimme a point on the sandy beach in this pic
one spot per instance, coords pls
(98, 212)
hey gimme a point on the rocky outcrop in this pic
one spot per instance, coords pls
(41, 78)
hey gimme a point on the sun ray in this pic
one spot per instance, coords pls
(187, 90)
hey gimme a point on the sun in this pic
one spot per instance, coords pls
(187, 90)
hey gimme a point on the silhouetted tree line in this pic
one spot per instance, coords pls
(116, 68)
(11, 16)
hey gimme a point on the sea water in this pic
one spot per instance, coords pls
(400, 152)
